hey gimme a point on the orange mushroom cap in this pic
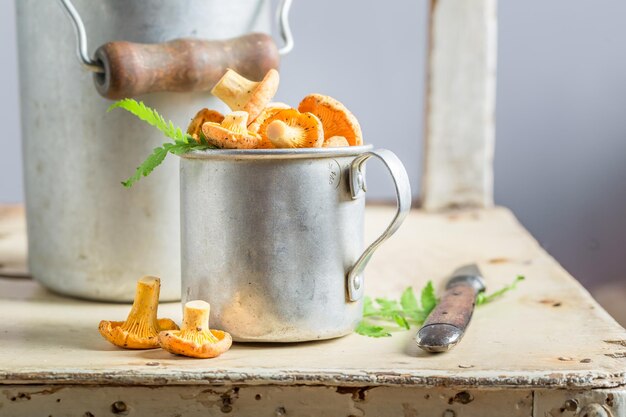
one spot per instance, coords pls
(336, 118)
(288, 128)
(203, 116)
(141, 328)
(231, 133)
(240, 93)
(195, 339)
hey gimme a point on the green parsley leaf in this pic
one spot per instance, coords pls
(483, 298)
(417, 316)
(408, 301)
(368, 307)
(410, 306)
(400, 320)
(156, 157)
(182, 144)
(408, 311)
(152, 117)
(371, 330)
(428, 298)
(388, 305)
(203, 140)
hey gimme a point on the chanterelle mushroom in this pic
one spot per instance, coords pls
(336, 118)
(239, 93)
(141, 328)
(203, 116)
(195, 338)
(291, 129)
(232, 133)
(267, 112)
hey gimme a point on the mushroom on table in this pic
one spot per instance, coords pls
(141, 328)
(195, 339)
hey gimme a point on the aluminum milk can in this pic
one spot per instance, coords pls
(88, 236)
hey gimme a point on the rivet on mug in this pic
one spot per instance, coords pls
(357, 282)
(360, 181)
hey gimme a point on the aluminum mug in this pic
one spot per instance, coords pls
(273, 239)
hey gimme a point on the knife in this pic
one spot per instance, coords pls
(446, 324)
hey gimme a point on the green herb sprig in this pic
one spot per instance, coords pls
(181, 142)
(484, 298)
(408, 311)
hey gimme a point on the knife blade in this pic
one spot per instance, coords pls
(445, 326)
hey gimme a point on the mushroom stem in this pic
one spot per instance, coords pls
(239, 93)
(292, 129)
(281, 134)
(196, 315)
(234, 89)
(142, 318)
(196, 322)
(335, 142)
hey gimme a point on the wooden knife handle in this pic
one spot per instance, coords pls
(132, 69)
(456, 307)
(446, 324)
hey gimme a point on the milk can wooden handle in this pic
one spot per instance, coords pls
(125, 69)
(181, 65)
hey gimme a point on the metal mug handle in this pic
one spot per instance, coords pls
(403, 196)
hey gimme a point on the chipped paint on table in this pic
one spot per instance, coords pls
(263, 401)
(548, 334)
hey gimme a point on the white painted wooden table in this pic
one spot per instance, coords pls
(547, 349)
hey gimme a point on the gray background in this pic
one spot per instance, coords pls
(561, 109)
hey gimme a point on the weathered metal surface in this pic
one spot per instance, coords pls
(460, 102)
(549, 333)
(271, 401)
(90, 237)
(270, 238)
